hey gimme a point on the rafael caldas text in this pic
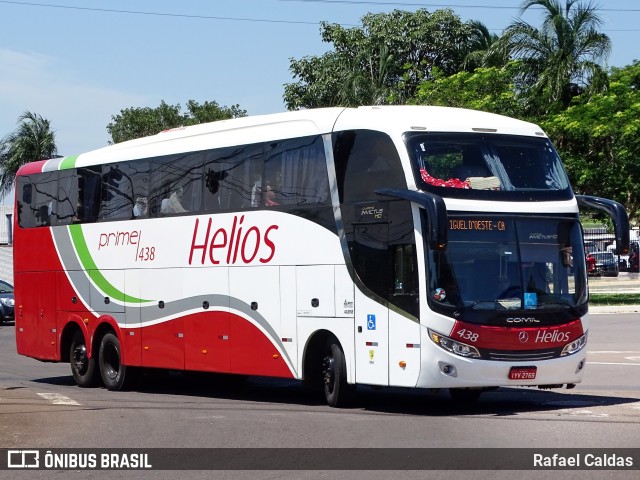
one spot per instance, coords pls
(238, 243)
(582, 460)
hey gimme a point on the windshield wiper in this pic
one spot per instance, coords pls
(564, 306)
(490, 302)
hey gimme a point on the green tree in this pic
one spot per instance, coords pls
(383, 61)
(139, 122)
(599, 140)
(487, 89)
(559, 60)
(32, 140)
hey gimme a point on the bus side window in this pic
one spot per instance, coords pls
(296, 173)
(89, 194)
(67, 197)
(117, 194)
(365, 162)
(175, 185)
(39, 192)
(242, 189)
(232, 178)
(26, 218)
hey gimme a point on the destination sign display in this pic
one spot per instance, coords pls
(477, 224)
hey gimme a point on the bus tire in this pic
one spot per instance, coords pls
(112, 370)
(83, 368)
(337, 391)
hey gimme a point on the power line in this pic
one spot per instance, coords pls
(402, 4)
(292, 22)
(439, 5)
(160, 14)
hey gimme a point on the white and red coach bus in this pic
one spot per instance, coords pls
(393, 246)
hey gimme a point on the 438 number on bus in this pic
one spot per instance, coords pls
(146, 254)
(465, 334)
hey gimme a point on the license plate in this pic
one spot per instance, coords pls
(522, 373)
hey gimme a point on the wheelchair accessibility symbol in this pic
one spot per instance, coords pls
(371, 322)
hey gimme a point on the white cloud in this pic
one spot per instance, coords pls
(78, 110)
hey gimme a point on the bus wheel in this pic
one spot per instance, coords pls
(337, 391)
(83, 368)
(465, 396)
(112, 370)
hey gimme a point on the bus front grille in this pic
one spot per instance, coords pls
(521, 355)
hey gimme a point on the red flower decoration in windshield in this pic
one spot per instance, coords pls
(438, 182)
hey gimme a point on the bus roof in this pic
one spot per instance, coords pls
(393, 120)
(396, 120)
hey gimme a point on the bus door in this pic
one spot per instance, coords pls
(36, 329)
(370, 256)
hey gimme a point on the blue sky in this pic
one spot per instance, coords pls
(78, 62)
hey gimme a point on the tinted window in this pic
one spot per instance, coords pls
(295, 173)
(117, 192)
(223, 179)
(365, 162)
(37, 199)
(89, 194)
(67, 199)
(487, 166)
(381, 242)
(232, 177)
(176, 185)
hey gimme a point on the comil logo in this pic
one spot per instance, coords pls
(23, 459)
(522, 320)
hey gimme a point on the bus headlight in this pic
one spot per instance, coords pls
(453, 346)
(575, 346)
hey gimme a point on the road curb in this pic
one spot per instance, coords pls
(614, 309)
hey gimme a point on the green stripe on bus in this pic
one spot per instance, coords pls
(68, 162)
(92, 270)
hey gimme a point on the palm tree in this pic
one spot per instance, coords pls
(559, 60)
(480, 42)
(367, 85)
(32, 140)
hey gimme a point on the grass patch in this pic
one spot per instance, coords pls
(614, 299)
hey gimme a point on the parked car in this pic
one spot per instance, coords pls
(590, 247)
(606, 264)
(592, 270)
(7, 302)
(634, 259)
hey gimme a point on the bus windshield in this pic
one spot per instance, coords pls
(471, 165)
(501, 263)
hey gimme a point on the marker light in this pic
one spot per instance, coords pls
(575, 346)
(453, 346)
(485, 130)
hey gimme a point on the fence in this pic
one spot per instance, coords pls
(599, 238)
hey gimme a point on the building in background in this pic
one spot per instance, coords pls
(6, 247)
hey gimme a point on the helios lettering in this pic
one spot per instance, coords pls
(231, 246)
(544, 336)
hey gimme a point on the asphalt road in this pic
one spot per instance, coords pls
(40, 407)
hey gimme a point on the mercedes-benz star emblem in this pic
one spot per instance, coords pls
(524, 337)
